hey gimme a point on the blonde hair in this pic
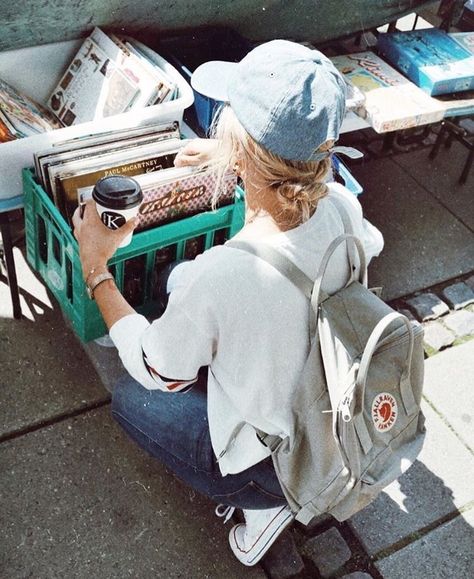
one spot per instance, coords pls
(297, 186)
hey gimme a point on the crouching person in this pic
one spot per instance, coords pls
(221, 364)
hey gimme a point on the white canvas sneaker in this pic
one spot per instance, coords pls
(250, 541)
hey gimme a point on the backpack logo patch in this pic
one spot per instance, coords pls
(384, 411)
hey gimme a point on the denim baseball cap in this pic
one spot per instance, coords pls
(290, 98)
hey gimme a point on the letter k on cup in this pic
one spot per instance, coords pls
(117, 199)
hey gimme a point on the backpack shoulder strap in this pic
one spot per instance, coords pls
(346, 220)
(348, 228)
(280, 262)
(292, 272)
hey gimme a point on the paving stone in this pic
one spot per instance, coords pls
(357, 575)
(409, 315)
(44, 373)
(328, 551)
(106, 361)
(427, 306)
(440, 177)
(438, 484)
(448, 387)
(424, 243)
(444, 553)
(283, 559)
(81, 500)
(436, 336)
(470, 281)
(461, 323)
(458, 295)
(314, 524)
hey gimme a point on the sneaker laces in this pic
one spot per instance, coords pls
(224, 511)
(257, 520)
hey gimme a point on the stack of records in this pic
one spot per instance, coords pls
(69, 170)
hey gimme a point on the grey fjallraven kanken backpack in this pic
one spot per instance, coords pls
(357, 405)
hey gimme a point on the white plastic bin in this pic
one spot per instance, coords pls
(35, 71)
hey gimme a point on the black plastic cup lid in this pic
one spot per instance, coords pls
(117, 192)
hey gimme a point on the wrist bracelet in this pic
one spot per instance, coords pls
(96, 281)
(95, 269)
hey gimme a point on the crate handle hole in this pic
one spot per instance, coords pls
(56, 248)
(42, 246)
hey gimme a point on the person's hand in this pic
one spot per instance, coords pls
(97, 243)
(196, 152)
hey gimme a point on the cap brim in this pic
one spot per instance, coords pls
(211, 79)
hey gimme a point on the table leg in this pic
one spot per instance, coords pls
(467, 167)
(10, 263)
(388, 141)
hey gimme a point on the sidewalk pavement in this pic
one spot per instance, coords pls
(80, 500)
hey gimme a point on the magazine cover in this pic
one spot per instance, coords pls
(392, 102)
(167, 88)
(143, 74)
(172, 198)
(108, 77)
(93, 87)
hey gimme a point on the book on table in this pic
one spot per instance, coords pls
(392, 102)
(434, 60)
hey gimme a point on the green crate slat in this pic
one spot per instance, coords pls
(53, 252)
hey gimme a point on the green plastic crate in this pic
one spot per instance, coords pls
(53, 252)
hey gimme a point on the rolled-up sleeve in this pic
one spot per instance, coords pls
(127, 335)
(168, 353)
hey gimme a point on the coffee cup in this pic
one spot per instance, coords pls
(117, 200)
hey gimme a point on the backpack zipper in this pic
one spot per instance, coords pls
(345, 409)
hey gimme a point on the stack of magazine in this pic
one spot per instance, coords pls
(20, 116)
(109, 75)
(69, 170)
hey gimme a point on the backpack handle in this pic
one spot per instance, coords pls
(372, 343)
(317, 295)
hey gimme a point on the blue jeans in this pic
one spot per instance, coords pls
(174, 429)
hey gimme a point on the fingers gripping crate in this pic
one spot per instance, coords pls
(53, 252)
